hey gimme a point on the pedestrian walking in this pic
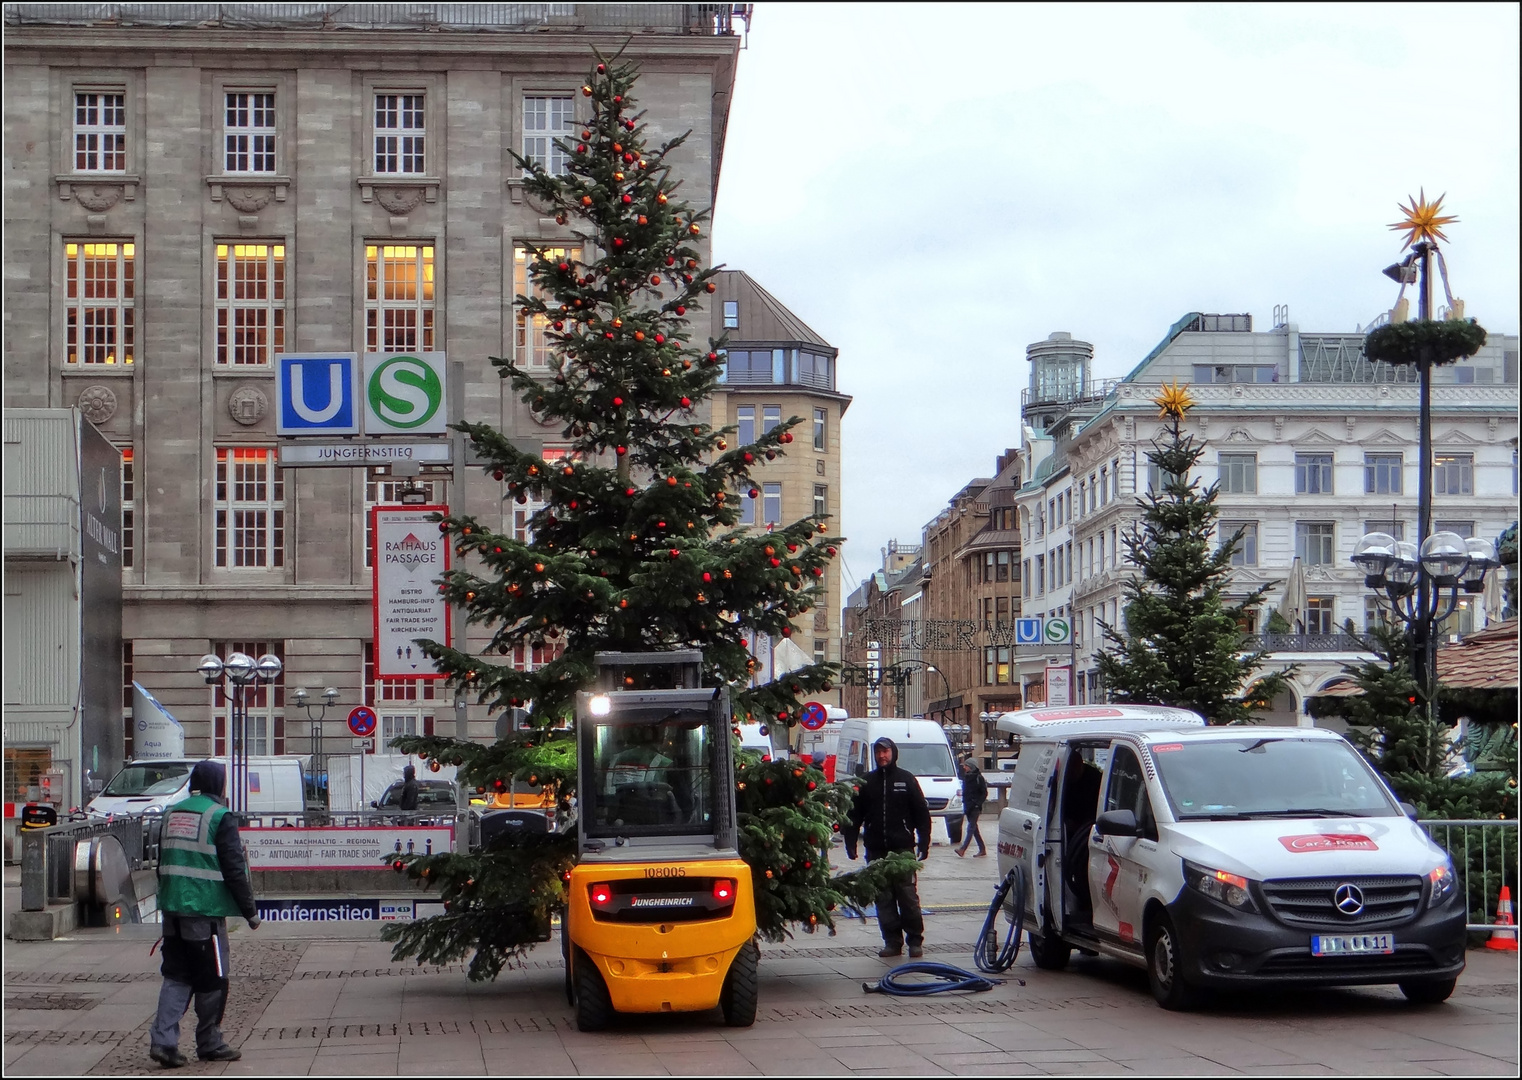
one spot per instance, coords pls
(890, 814)
(409, 795)
(974, 795)
(202, 879)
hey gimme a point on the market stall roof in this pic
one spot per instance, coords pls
(1483, 661)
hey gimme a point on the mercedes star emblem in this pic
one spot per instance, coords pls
(1348, 898)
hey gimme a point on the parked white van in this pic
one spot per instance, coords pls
(276, 785)
(1222, 857)
(923, 749)
(752, 739)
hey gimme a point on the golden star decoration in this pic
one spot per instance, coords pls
(1173, 400)
(1423, 220)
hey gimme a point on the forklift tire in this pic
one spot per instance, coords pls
(594, 1008)
(741, 993)
(1048, 951)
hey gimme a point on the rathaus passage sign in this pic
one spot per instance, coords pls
(409, 555)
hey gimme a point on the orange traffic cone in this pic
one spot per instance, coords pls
(1504, 936)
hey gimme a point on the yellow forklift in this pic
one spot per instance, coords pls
(660, 916)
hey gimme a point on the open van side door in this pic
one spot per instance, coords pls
(1023, 829)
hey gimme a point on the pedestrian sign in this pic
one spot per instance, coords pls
(814, 716)
(1058, 631)
(1028, 632)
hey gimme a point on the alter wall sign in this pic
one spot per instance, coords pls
(409, 556)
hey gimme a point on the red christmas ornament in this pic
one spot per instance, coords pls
(686, 402)
(775, 561)
(787, 436)
(618, 241)
(712, 358)
(670, 260)
(671, 481)
(627, 197)
(618, 99)
(559, 325)
(660, 339)
(680, 310)
(707, 286)
(628, 159)
(629, 492)
(830, 552)
(581, 148)
(787, 631)
(617, 401)
(443, 526)
(602, 69)
(707, 576)
(496, 474)
(622, 450)
(818, 572)
(675, 554)
(655, 279)
(753, 493)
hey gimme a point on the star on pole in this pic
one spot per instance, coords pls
(1173, 400)
(1423, 220)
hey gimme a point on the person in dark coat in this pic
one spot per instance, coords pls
(409, 794)
(890, 814)
(202, 879)
(974, 795)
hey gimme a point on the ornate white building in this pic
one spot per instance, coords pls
(1312, 446)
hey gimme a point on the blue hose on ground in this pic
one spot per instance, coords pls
(948, 978)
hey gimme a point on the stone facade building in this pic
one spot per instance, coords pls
(188, 198)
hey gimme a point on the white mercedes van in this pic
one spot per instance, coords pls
(923, 749)
(1222, 857)
(276, 785)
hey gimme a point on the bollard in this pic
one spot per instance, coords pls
(34, 878)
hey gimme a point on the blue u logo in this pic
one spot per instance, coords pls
(318, 395)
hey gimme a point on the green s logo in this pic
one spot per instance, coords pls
(404, 392)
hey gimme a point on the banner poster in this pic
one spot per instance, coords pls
(409, 554)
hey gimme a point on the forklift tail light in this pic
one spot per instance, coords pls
(602, 895)
(724, 889)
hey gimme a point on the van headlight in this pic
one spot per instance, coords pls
(1222, 887)
(1443, 882)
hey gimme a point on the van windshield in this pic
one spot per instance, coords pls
(926, 759)
(1269, 777)
(149, 778)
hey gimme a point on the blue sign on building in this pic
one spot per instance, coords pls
(1028, 632)
(319, 394)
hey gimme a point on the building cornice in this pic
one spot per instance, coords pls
(243, 593)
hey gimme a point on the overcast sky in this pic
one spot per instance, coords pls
(932, 187)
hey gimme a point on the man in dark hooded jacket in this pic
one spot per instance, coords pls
(203, 878)
(889, 815)
(409, 788)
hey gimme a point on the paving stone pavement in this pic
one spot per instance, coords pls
(328, 999)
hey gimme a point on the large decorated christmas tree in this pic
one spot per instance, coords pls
(1181, 642)
(635, 545)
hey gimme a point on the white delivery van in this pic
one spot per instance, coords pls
(1223, 857)
(923, 749)
(378, 772)
(752, 739)
(276, 785)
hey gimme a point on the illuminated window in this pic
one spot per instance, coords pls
(1453, 474)
(98, 303)
(533, 347)
(1320, 614)
(398, 298)
(250, 133)
(129, 506)
(250, 509)
(544, 120)
(399, 133)
(250, 303)
(100, 132)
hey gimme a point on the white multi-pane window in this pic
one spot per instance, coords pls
(398, 298)
(1247, 547)
(745, 425)
(129, 506)
(399, 133)
(821, 500)
(401, 705)
(382, 489)
(545, 119)
(264, 702)
(250, 508)
(532, 344)
(1313, 474)
(1314, 542)
(250, 303)
(1382, 474)
(1453, 474)
(1320, 614)
(99, 326)
(820, 416)
(249, 132)
(771, 504)
(523, 512)
(1239, 473)
(771, 416)
(748, 508)
(100, 132)
(731, 314)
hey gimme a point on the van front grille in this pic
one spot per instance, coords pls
(936, 804)
(1312, 902)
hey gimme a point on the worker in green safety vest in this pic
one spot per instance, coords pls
(202, 879)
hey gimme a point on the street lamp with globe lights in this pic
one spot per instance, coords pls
(314, 725)
(238, 672)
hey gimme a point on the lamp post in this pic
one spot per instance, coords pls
(1422, 581)
(314, 726)
(237, 673)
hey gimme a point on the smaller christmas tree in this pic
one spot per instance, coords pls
(1183, 644)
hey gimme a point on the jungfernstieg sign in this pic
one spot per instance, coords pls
(408, 556)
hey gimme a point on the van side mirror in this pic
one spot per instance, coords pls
(1117, 823)
(1409, 810)
(374, 805)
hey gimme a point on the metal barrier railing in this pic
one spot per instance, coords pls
(319, 819)
(1484, 855)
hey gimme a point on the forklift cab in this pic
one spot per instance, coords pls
(660, 916)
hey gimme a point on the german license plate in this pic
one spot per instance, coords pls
(1352, 944)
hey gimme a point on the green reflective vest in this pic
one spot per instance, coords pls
(190, 875)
